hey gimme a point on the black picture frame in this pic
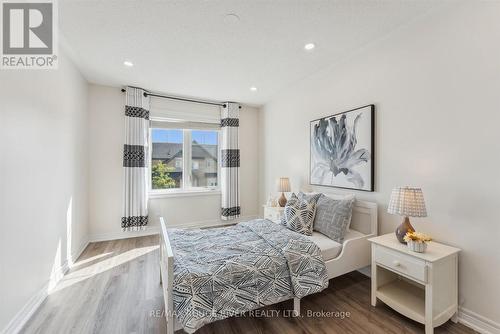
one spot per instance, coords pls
(372, 149)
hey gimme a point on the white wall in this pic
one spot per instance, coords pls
(43, 178)
(106, 106)
(436, 87)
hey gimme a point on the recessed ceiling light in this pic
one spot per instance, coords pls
(128, 63)
(231, 18)
(309, 46)
(253, 89)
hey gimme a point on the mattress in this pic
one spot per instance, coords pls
(331, 249)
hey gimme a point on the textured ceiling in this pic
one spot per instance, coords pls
(189, 48)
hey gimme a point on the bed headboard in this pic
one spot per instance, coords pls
(364, 215)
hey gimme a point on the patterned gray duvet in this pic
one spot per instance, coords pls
(222, 272)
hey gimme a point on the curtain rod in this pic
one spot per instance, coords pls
(183, 99)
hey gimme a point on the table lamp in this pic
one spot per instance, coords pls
(283, 187)
(406, 202)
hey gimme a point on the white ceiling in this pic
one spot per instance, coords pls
(188, 48)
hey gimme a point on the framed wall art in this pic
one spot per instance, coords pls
(342, 149)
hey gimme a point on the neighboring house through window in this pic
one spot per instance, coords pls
(184, 159)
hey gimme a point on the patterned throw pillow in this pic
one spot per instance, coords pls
(333, 217)
(298, 215)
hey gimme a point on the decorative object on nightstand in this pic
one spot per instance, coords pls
(271, 200)
(420, 286)
(406, 202)
(283, 187)
(417, 242)
(273, 213)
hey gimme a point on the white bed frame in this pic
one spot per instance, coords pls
(355, 254)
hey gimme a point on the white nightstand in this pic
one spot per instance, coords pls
(420, 286)
(273, 213)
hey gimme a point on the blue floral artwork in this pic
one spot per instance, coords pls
(342, 150)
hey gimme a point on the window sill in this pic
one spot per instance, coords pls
(183, 193)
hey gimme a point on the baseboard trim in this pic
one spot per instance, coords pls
(75, 255)
(477, 322)
(155, 229)
(150, 230)
(25, 313)
(367, 271)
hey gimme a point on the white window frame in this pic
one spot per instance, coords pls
(186, 189)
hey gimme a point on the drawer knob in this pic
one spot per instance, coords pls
(396, 263)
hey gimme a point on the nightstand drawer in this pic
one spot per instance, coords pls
(401, 263)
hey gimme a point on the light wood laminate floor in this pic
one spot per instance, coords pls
(114, 288)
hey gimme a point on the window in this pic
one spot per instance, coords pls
(166, 159)
(204, 153)
(183, 159)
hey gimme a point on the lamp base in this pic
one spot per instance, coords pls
(402, 229)
(282, 200)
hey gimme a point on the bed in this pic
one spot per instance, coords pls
(335, 260)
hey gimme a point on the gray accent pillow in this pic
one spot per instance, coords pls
(299, 214)
(333, 217)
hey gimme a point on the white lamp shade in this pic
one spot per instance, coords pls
(284, 184)
(408, 202)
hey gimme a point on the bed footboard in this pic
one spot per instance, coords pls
(166, 276)
(355, 254)
(296, 307)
